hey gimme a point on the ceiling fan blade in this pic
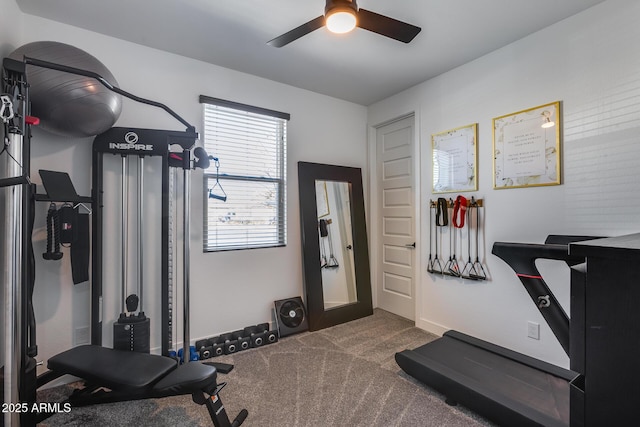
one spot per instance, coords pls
(386, 26)
(298, 32)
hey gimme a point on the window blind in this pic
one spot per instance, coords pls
(250, 143)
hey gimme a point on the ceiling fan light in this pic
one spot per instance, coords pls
(340, 20)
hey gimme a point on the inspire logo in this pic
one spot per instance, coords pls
(131, 143)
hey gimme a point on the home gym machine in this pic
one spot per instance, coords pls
(508, 387)
(110, 375)
(137, 144)
(19, 348)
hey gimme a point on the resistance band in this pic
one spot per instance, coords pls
(459, 211)
(442, 212)
(53, 234)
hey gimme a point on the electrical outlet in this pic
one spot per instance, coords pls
(533, 330)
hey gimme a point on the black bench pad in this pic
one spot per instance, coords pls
(114, 369)
(187, 378)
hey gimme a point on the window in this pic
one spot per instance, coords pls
(251, 145)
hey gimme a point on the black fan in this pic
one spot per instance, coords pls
(365, 19)
(291, 316)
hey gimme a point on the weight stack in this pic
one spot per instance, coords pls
(132, 333)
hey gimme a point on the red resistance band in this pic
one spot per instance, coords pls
(459, 211)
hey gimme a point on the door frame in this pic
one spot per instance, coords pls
(374, 198)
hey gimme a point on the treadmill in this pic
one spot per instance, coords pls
(504, 386)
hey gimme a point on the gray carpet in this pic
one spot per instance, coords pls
(341, 376)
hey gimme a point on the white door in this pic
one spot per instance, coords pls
(396, 228)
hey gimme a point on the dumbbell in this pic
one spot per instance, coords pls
(204, 348)
(244, 342)
(229, 344)
(256, 334)
(271, 337)
(217, 344)
(193, 355)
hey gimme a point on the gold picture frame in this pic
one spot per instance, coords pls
(454, 154)
(526, 148)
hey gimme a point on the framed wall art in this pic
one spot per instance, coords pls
(454, 153)
(526, 148)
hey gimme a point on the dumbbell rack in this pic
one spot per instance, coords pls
(232, 342)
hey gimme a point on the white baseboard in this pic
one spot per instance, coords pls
(430, 326)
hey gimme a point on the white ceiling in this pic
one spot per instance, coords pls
(361, 67)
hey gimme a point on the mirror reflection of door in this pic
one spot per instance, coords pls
(335, 236)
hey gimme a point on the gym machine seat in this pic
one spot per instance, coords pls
(155, 377)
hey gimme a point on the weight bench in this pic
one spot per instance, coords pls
(116, 376)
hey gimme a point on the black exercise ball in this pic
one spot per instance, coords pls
(68, 104)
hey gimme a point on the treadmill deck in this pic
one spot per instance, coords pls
(502, 385)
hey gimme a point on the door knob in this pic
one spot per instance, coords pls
(410, 245)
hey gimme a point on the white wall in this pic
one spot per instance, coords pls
(591, 63)
(229, 290)
(10, 26)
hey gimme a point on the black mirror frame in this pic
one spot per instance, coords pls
(319, 318)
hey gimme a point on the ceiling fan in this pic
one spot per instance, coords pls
(342, 16)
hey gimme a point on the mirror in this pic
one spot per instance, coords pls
(334, 242)
(335, 236)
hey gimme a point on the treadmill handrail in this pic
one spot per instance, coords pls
(521, 257)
